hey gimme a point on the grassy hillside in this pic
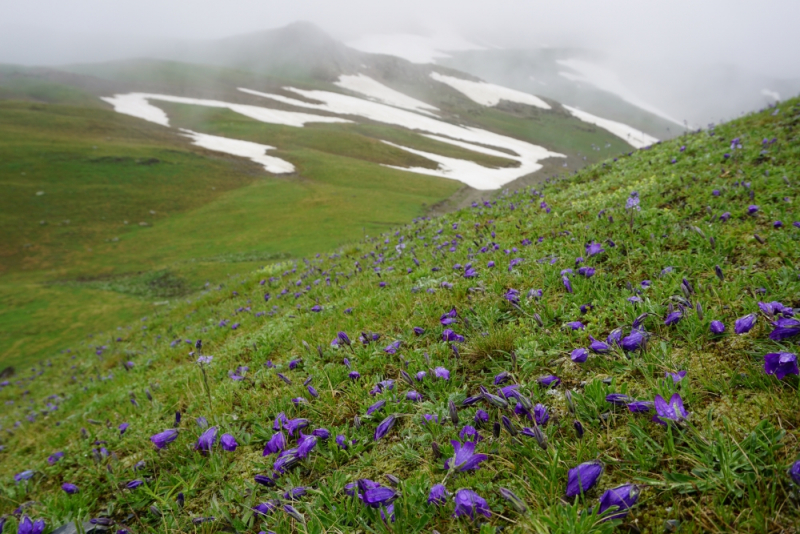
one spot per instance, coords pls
(97, 205)
(673, 238)
(106, 217)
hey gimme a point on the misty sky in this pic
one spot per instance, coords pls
(760, 35)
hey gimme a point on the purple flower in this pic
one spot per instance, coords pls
(745, 324)
(378, 406)
(470, 504)
(752, 209)
(794, 472)
(277, 443)
(567, 284)
(413, 396)
(673, 318)
(343, 338)
(618, 399)
(725, 216)
(264, 480)
(588, 272)
(449, 335)
(228, 442)
(122, 428)
(55, 457)
(470, 433)
(392, 347)
(26, 526)
(316, 309)
(717, 327)
(321, 433)
(312, 391)
(549, 381)
(384, 427)
(593, 249)
(304, 445)
(133, 484)
(437, 495)
(481, 417)
(354, 375)
(633, 341)
(785, 329)
(777, 224)
(583, 477)
(70, 489)
(640, 406)
(780, 364)
(676, 377)
(430, 418)
(378, 497)
(598, 347)
(621, 498)
(490, 264)
(513, 263)
(206, 440)
(540, 414)
(418, 330)
(449, 317)
(420, 376)
(441, 372)
(266, 508)
(669, 411)
(575, 325)
(579, 355)
(162, 439)
(465, 458)
(512, 296)
(341, 441)
(295, 424)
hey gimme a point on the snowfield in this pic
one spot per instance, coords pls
(632, 136)
(375, 90)
(245, 149)
(393, 108)
(488, 94)
(138, 105)
(527, 154)
(469, 172)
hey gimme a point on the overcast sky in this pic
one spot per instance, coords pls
(759, 35)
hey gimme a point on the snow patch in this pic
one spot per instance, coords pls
(245, 149)
(607, 80)
(138, 105)
(414, 48)
(632, 136)
(525, 153)
(468, 172)
(489, 94)
(373, 89)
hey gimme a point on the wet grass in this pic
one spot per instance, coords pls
(721, 470)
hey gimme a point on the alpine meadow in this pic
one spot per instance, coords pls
(274, 283)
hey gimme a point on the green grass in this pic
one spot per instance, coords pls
(102, 174)
(721, 470)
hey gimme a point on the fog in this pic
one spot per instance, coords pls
(665, 51)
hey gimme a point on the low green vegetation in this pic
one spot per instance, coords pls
(99, 202)
(641, 253)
